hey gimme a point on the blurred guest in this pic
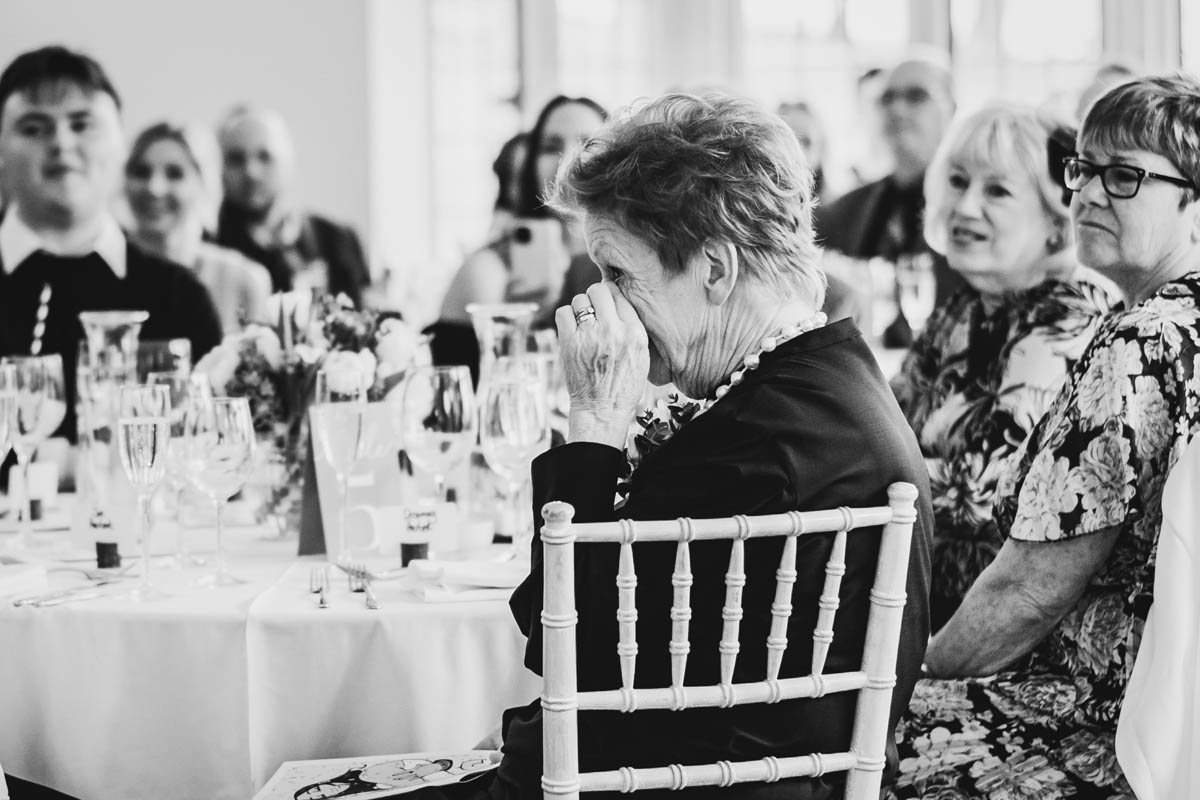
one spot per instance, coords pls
(490, 275)
(1057, 620)
(1106, 77)
(810, 133)
(992, 358)
(259, 218)
(884, 218)
(166, 185)
(61, 250)
(507, 168)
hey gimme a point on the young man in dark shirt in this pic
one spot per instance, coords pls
(61, 152)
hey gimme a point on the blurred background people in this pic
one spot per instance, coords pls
(61, 249)
(259, 219)
(542, 257)
(883, 218)
(991, 360)
(1106, 77)
(507, 168)
(167, 186)
(810, 132)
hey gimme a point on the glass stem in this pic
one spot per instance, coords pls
(181, 551)
(222, 568)
(344, 486)
(439, 488)
(144, 521)
(25, 501)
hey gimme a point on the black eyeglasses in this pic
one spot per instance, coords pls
(1120, 181)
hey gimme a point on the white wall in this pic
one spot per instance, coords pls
(192, 60)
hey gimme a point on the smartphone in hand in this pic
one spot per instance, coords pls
(539, 257)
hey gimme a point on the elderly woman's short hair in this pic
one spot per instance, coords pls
(1007, 139)
(1158, 114)
(684, 170)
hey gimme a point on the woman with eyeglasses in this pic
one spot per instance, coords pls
(1036, 661)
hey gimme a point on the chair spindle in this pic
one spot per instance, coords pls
(835, 568)
(731, 613)
(627, 613)
(781, 609)
(681, 608)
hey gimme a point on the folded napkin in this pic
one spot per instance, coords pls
(457, 575)
(21, 578)
(442, 594)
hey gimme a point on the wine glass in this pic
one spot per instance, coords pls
(514, 427)
(220, 457)
(8, 407)
(436, 418)
(40, 410)
(143, 436)
(916, 287)
(338, 415)
(182, 392)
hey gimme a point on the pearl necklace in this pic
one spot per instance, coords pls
(766, 345)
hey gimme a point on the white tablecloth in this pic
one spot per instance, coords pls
(204, 694)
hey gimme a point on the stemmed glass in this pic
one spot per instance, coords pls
(338, 416)
(143, 435)
(40, 410)
(916, 287)
(220, 458)
(183, 391)
(514, 427)
(436, 418)
(8, 407)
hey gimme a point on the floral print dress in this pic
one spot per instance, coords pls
(972, 388)
(1099, 458)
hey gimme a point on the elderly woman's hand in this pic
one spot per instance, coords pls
(606, 360)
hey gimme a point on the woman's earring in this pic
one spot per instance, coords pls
(1054, 242)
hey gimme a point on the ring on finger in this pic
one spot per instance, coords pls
(585, 314)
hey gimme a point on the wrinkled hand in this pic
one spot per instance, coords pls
(606, 361)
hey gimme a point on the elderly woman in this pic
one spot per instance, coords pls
(168, 195)
(1059, 613)
(993, 357)
(697, 210)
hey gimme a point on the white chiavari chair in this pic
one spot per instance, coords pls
(561, 701)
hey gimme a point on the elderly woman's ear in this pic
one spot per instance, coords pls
(717, 269)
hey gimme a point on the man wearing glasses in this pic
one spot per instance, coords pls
(884, 218)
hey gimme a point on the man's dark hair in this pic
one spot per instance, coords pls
(55, 64)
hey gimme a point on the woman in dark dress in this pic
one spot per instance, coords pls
(710, 283)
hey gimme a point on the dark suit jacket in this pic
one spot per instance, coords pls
(320, 238)
(816, 426)
(853, 225)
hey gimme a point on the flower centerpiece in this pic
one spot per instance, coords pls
(276, 369)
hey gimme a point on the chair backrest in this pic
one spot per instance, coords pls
(874, 681)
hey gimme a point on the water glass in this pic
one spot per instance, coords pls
(220, 458)
(916, 288)
(40, 408)
(514, 428)
(183, 391)
(8, 407)
(338, 415)
(143, 437)
(163, 355)
(436, 418)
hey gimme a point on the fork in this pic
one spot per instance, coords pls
(318, 583)
(360, 581)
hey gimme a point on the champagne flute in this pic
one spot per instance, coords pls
(917, 288)
(338, 412)
(220, 457)
(436, 417)
(514, 427)
(143, 434)
(8, 407)
(182, 392)
(40, 410)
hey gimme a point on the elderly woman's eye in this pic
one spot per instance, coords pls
(957, 182)
(998, 190)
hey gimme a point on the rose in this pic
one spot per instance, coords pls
(220, 363)
(266, 343)
(348, 372)
(397, 347)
